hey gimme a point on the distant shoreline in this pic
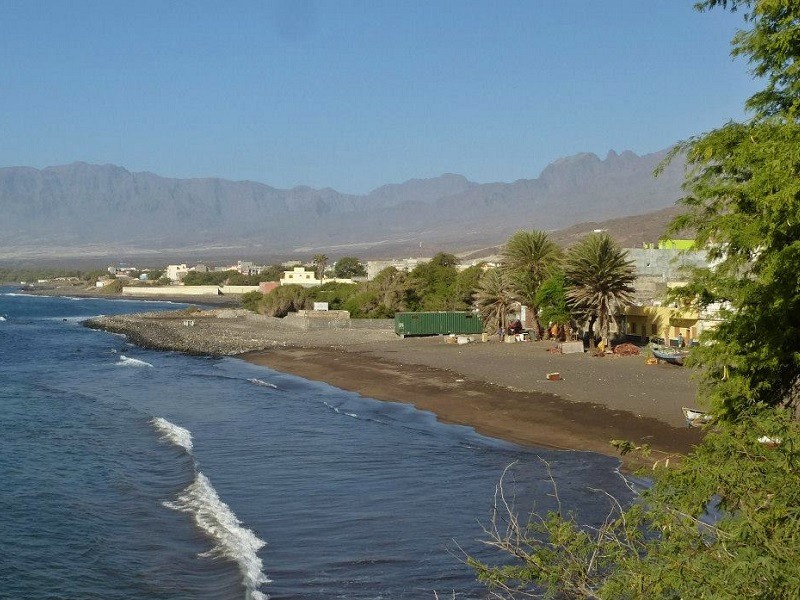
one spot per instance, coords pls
(80, 292)
(498, 389)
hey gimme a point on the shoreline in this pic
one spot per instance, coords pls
(533, 419)
(498, 389)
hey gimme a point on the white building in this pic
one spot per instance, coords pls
(299, 276)
(176, 272)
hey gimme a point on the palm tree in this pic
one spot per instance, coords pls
(494, 298)
(530, 257)
(320, 261)
(599, 281)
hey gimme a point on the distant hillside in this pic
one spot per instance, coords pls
(629, 232)
(80, 208)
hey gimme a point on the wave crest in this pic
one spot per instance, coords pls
(263, 383)
(231, 540)
(173, 433)
(124, 361)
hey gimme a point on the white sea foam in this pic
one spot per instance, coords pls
(231, 540)
(124, 361)
(340, 412)
(263, 383)
(2, 318)
(173, 433)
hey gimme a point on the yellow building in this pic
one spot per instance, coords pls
(676, 244)
(666, 322)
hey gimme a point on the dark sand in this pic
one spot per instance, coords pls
(499, 389)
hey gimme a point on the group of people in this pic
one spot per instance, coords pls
(555, 331)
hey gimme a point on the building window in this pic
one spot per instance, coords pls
(633, 327)
(653, 329)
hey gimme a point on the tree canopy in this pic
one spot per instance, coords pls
(348, 267)
(724, 522)
(530, 257)
(599, 280)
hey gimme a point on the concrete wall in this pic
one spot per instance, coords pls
(172, 290)
(667, 264)
(328, 319)
(238, 289)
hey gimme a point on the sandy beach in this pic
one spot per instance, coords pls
(499, 389)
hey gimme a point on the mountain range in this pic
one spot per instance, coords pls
(107, 210)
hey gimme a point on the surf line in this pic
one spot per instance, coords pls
(230, 539)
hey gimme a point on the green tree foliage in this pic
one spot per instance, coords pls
(530, 257)
(391, 289)
(551, 297)
(252, 301)
(208, 278)
(743, 199)
(335, 294)
(494, 298)
(115, 287)
(271, 273)
(432, 284)
(285, 299)
(348, 267)
(467, 281)
(231, 277)
(772, 46)
(721, 524)
(320, 262)
(30, 275)
(599, 280)
(744, 202)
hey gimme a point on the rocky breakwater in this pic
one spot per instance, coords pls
(225, 332)
(215, 332)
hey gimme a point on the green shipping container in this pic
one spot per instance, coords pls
(437, 323)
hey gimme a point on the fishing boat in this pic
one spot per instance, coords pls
(696, 418)
(674, 356)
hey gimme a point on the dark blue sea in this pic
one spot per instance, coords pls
(132, 474)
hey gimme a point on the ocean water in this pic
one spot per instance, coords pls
(127, 473)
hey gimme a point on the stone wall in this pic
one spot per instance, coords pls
(324, 319)
(171, 290)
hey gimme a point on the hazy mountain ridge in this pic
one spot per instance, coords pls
(80, 204)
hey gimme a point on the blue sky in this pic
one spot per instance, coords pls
(353, 95)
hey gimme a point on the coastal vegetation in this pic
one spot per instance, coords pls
(494, 299)
(529, 257)
(232, 277)
(348, 267)
(34, 274)
(723, 521)
(599, 282)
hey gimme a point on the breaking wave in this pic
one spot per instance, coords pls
(263, 383)
(124, 361)
(340, 412)
(173, 433)
(230, 540)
